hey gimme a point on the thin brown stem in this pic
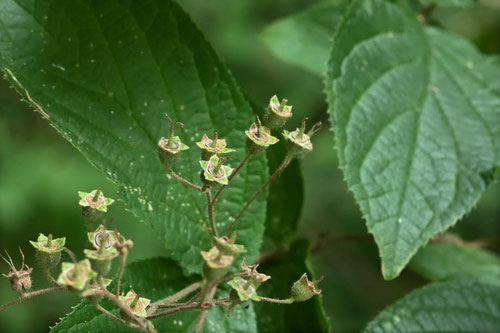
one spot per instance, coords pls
(203, 315)
(277, 301)
(184, 181)
(233, 174)
(275, 175)
(112, 316)
(174, 311)
(211, 217)
(175, 297)
(32, 294)
(120, 272)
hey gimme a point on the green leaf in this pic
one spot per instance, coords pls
(441, 261)
(308, 316)
(155, 279)
(105, 73)
(449, 3)
(305, 39)
(458, 305)
(416, 117)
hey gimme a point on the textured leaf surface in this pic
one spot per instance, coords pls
(459, 305)
(306, 316)
(416, 114)
(441, 261)
(105, 72)
(305, 39)
(155, 279)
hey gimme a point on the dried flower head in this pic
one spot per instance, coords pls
(103, 237)
(170, 148)
(300, 142)
(20, 280)
(303, 289)
(210, 147)
(136, 304)
(76, 275)
(94, 203)
(250, 273)
(277, 113)
(245, 289)
(215, 172)
(259, 138)
(49, 249)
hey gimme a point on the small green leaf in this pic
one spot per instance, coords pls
(308, 316)
(155, 279)
(459, 305)
(305, 39)
(440, 261)
(104, 73)
(416, 117)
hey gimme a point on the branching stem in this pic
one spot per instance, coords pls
(175, 297)
(123, 263)
(32, 294)
(277, 301)
(275, 175)
(211, 217)
(184, 181)
(233, 174)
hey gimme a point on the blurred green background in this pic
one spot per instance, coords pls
(40, 173)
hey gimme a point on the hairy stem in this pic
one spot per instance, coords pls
(233, 174)
(184, 181)
(120, 272)
(277, 301)
(203, 315)
(275, 175)
(175, 297)
(174, 311)
(211, 218)
(115, 318)
(32, 294)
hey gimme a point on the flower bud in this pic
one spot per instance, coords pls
(215, 172)
(216, 263)
(20, 280)
(210, 147)
(303, 289)
(136, 304)
(300, 142)
(76, 276)
(277, 114)
(94, 204)
(259, 138)
(48, 252)
(245, 289)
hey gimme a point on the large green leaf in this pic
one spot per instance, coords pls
(105, 72)
(460, 305)
(449, 3)
(284, 270)
(441, 261)
(416, 114)
(305, 39)
(155, 279)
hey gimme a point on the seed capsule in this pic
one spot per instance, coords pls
(277, 113)
(76, 276)
(210, 147)
(259, 138)
(94, 204)
(303, 289)
(48, 252)
(20, 280)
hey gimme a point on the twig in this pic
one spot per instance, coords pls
(277, 301)
(233, 174)
(276, 173)
(211, 218)
(120, 272)
(173, 311)
(184, 181)
(112, 316)
(32, 294)
(203, 315)
(175, 297)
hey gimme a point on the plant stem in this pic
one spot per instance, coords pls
(174, 311)
(233, 174)
(32, 294)
(175, 297)
(120, 272)
(211, 218)
(112, 316)
(203, 315)
(276, 173)
(277, 301)
(184, 181)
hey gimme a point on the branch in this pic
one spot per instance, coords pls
(211, 218)
(276, 173)
(120, 272)
(184, 181)
(32, 294)
(277, 301)
(175, 297)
